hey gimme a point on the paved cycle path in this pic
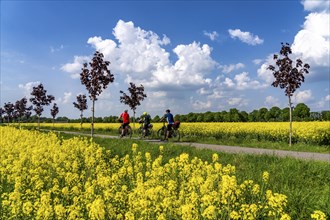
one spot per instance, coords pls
(234, 149)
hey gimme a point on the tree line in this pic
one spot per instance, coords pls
(301, 112)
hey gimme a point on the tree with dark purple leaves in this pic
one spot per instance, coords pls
(288, 75)
(96, 79)
(9, 110)
(1, 113)
(136, 95)
(21, 110)
(81, 104)
(54, 111)
(39, 100)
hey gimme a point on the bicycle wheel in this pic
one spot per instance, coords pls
(176, 135)
(129, 132)
(119, 132)
(150, 133)
(140, 133)
(161, 133)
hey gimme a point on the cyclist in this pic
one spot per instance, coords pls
(145, 118)
(125, 118)
(170, 122)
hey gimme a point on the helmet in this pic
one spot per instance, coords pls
(126, 110)
(145, 113)
(167, 110)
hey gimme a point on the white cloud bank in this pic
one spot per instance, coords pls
(140, 57)
(312, 43)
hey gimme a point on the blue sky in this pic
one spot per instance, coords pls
(191, 56)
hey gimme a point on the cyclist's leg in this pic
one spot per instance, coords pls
(169, 130)
(145, 129)
(126, 128)
(124, 131)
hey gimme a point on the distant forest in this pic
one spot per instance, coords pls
(301, 112)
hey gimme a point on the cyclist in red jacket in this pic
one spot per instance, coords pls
(125, 117)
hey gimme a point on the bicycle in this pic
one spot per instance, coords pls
(127, 132)
(174, 133)
(145, 133)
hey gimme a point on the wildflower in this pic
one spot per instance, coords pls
(318, 215)
(134, 147)
(234, 215)
(209, 212)
(255, 189)
(285, 217)
(265, 176)
(215, 158)
(27, 208)
(60, 211)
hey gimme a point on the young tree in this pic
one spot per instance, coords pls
(288, 76)
(81, 104)
(9, 110)
(54, 111)
(39, 100)
(96, 79)
(1, 113)
(22, 110)
(133, 99)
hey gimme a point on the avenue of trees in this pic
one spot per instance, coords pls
(97, 77)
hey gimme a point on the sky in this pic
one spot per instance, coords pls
(190, 56)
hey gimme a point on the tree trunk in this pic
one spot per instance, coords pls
(81, 115)
(38, 122)
(92, 128)
(290, 132)
(133, 121)
(53, 123)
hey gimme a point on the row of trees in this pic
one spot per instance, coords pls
(19, 110)
(300, 113)
(95, 77)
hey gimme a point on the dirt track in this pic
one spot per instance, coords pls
(244, 150)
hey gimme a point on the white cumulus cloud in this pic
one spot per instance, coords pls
(66, 98)
(199, 105)
(302, 96)
(271, 101)
(75, 68)
(316, 5)
(237, 102)
(27, 88)
(212, 35)
(312, 43)
(231, 67)
(245, 37)
(243, 82)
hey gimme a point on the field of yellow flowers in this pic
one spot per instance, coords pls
(45, 177)
(304, 132)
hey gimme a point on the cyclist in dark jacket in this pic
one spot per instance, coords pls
(146, 119)
(170, 122)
